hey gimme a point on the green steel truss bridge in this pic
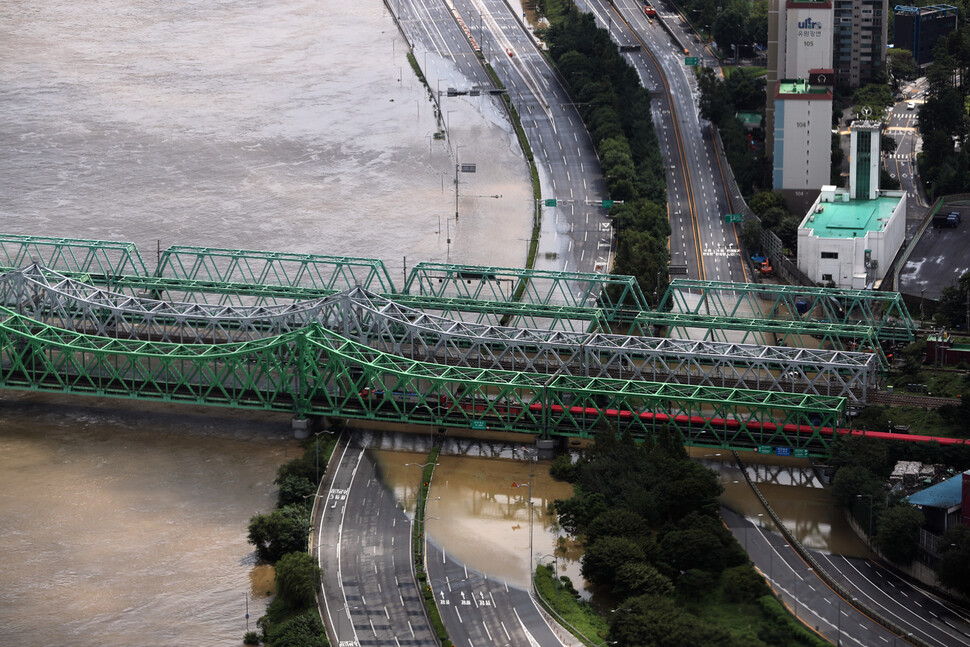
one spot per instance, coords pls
(319, 335)
(388, 326)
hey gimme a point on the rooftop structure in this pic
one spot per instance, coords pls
(851, 218)
(850, 243)
(946, 494)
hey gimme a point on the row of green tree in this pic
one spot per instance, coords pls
(720, 102)
(944, 162)
(653, 543)
(859, 486)
(616, 111)
(281, 538)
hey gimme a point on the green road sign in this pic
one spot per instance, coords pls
(551, 202)
(607, 204)
(478, 424)
(691, 60)
(733, 217)
(766, 449)
(801, 453)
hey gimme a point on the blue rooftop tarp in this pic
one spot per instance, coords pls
(942, 495)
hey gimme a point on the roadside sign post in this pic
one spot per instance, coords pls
(691, 61)
(730, 218)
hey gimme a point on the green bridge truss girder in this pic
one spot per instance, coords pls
(390, 326)
(610, 293)
(101, 257)
(316, 372)
(884, 312)
(241, 266)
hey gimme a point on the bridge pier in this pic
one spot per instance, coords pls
(301, 427)
(546, 448)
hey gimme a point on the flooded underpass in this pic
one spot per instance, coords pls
(795, 492)
(482, 514)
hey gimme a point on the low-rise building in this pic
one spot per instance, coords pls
(850, 243)
(849, 237)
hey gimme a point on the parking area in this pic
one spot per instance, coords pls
(941, 256)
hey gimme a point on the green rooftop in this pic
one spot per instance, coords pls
(852, 219)
(799, 86)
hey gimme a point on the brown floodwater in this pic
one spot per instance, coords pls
(794, 492)
(480, 514)
(124, 519)
(125, 523)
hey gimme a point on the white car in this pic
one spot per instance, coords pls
(910, 105)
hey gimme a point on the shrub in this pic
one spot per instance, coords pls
(297, 578)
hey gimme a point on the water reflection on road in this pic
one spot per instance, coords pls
(482, 517)
(794, 492)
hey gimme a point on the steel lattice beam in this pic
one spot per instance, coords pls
(884, 312)
(105, 258)
(315, 371)
(240, 266)
(392, 327)
(610, 293)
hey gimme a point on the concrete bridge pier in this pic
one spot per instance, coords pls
(546, 448)
(302, 427)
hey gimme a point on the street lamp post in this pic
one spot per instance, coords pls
(532, 454)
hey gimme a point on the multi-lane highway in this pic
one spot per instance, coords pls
(575, 235)
(478, 610)
(918, 614)
(696, 194)
(370, 596)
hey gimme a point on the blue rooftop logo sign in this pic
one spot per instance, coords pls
(808, 23)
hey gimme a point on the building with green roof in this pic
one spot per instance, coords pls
(850, 237)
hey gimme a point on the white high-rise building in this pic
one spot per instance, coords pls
(803, 141)
(799, 40)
